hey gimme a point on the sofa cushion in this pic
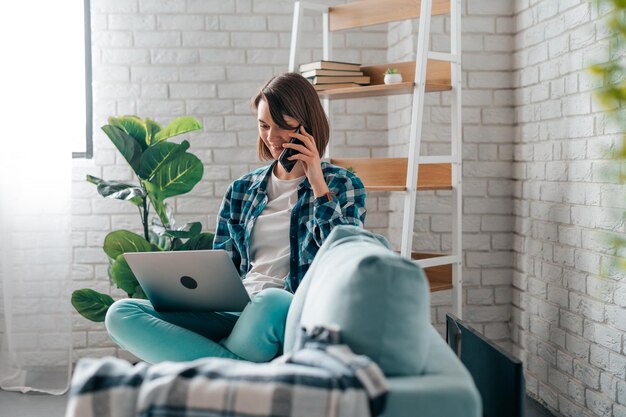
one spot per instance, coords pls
(338, 235)
(377, 299)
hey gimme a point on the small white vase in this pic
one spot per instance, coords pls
(393, 78)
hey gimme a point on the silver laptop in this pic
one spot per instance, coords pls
(200, 280)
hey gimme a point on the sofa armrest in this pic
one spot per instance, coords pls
(432, 396)
(446, 389)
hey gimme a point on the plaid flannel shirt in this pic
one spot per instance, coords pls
(312, 218)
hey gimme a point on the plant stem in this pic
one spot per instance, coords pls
(144, 220)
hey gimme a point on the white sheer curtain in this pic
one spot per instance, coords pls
(42, 110)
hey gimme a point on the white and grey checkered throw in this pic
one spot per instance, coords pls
(321, 379)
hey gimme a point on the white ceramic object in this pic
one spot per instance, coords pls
(393, 78)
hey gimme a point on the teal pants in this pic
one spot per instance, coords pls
(256, 334)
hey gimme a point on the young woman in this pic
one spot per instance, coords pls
(272, 222)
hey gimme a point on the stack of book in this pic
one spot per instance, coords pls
(333, 74)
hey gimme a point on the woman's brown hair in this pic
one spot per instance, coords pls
(290, 94)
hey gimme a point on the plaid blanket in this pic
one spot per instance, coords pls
(321, 379)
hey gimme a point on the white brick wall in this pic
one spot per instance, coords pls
(204, 59)
(567, 319)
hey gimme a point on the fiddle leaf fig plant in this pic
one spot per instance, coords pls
(163, 169)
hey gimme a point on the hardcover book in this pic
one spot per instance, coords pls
(318, 72)
(330, 80)
(330, 65)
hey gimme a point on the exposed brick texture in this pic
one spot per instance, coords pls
(568, 303)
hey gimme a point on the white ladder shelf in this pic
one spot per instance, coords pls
(431, 71)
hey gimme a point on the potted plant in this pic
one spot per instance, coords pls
(392, 76)
(163, 170)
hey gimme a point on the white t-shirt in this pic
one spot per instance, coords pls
(269, 241)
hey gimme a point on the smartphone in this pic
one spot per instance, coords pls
(287, 152)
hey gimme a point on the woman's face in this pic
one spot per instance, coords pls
(274, 136)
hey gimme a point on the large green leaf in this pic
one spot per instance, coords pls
(176, 243)
(126, 144)
(134, 127)
(200, 242)
(122, 276)
(118, 190)
(152, 128)
(176, 177)
(121, 241)
(158, 155)
(160, 241)
(121, 191)
(187, 231)
(91, 304)
(178, 126)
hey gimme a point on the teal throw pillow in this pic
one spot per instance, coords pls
(378, 300)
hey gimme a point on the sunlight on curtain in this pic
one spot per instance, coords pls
(43, 110)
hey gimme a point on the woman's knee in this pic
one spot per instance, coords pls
(259, 332)
(120, 312)
(273, 299)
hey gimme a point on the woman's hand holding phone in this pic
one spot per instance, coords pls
(287, 153)
(303, 149)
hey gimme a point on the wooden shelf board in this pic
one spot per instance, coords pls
(389, 174)
(373, 12)
(437, 286)
(385, 187)
(367, 91)
(438, 78)
(439, 277)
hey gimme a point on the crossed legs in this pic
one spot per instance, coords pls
(255, 335)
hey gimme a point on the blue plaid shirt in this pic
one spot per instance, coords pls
(312, 218)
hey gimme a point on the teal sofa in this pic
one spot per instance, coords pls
(380, 303)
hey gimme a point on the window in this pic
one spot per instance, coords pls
(80, 93)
